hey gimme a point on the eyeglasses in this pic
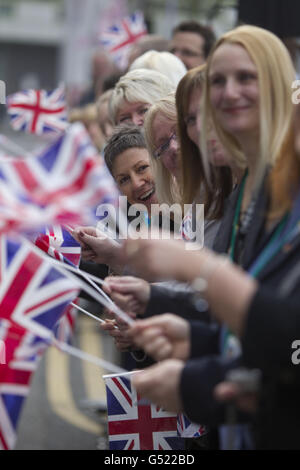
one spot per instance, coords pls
(186, 52)
(165, 146)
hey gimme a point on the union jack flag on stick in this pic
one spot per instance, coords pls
(59, 243)
(119, 37)
(133, 425)
(38, 111)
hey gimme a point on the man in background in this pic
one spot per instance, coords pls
(192, 42)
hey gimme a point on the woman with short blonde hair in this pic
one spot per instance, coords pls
(164, 62)
(138, 86)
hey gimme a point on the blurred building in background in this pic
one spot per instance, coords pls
(31, 36)
(45, 42)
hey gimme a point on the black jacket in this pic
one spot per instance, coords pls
(261, 327)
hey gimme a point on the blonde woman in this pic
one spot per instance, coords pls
(163, 62)
(134, 94)
(253, 123)
(195, 186)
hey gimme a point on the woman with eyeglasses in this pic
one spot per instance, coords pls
(161, 136)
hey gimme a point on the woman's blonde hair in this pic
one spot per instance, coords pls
(276, 73)
(140, 85)
(167, 188)
(164, 62)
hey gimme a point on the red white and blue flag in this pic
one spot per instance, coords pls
(63, 185)
(23, 351)
(119, 37)
(33, 298)
(38, 111)
(33, 293)
(134, 425)
(57, 242)
(187, 429)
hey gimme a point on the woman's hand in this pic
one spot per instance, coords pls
(131, 294)
(121, 340)
(162, 336)
(98, 247)
(160, 384)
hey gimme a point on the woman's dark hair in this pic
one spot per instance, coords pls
(123, 138)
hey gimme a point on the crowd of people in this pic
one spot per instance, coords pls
(207, 121)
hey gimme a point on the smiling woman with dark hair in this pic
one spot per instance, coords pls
(128, 160)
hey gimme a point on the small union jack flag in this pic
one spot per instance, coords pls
(59, 243)
(118, 38)
(33, 298)
(133, 425)
(38, 111)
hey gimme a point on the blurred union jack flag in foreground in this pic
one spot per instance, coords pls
(62, 185)
(34, 297)
(118, 38)
(137, 426)
(38, 111)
